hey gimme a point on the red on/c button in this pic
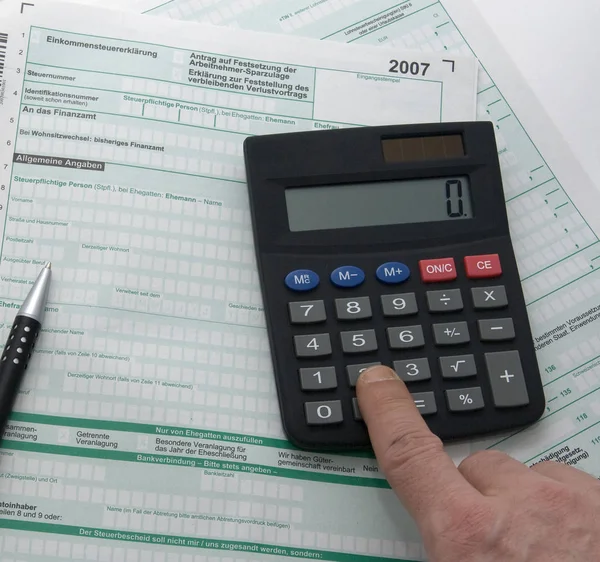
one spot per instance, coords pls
(481, 267)
(435, 271)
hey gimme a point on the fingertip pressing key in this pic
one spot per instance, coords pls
(377, 373)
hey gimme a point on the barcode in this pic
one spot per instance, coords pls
(3, 43)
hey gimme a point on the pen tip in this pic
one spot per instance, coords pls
(48, 265)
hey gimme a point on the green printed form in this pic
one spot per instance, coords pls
(147, 427)
(552, 205)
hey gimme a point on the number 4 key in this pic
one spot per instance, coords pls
(314, 345)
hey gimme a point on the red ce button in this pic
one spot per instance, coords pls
(481, 267)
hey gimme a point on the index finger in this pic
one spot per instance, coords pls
(412, 458)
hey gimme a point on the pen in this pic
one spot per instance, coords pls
(20, 343)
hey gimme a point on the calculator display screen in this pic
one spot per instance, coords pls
(378, 203)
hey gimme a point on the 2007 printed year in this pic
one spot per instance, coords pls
(405, 67)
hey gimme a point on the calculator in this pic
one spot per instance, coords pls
(390, 245)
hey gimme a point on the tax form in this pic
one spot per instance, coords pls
(551, 208)
(147, 427)
(552, 204)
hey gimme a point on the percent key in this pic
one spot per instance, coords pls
(465, 399)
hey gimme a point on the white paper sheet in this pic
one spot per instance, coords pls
(148, 418)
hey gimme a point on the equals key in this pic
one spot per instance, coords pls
(498, 329)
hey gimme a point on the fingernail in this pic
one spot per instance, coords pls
(377, 373)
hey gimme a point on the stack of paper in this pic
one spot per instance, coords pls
(147, 428)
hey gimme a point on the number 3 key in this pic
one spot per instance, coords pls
(413, 370)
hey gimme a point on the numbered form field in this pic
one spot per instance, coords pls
(356, 98)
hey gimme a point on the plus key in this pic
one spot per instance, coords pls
(505, 373)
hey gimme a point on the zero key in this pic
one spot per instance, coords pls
(323, 413)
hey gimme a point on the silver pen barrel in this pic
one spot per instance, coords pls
(35, 303)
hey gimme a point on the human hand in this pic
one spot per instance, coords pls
(490, 508)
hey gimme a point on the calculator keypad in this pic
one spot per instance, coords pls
(354, 371)
(314, 345)
(347, 276)
(444, 301)
(302, 280)
(359, 342)
(425, 403)
(353, 309)
(438, 270)
(458, 366)
(308, 312)
(506, 378)
(413, 370)
(318, 378)
(501, 329)
(404, 304)
(324, 413)
(503, 370)
(392, 273)
(465, 399)
(406, 337)
(483, 267)
(489, 297)
(356, 410)
(453, 333)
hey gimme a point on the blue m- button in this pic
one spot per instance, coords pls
(347, 276)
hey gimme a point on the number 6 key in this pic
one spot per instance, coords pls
(407, 337)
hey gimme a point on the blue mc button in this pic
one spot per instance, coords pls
(302, 280)
(347, 276)
(393, 272)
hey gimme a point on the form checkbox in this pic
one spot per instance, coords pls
(63, 435)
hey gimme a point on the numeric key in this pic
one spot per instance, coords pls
(308, 312)
(353, 309)
(413, 370)
(313, 345)
(318, 378)
(406, 337)
(359, 342)
(404, 304)
(323, 413)
(356, 410)
(354, 371)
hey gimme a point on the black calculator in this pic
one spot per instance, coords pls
(390, 245)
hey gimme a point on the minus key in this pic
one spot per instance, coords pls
(500, 329)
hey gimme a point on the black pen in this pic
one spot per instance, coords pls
(20, 343)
